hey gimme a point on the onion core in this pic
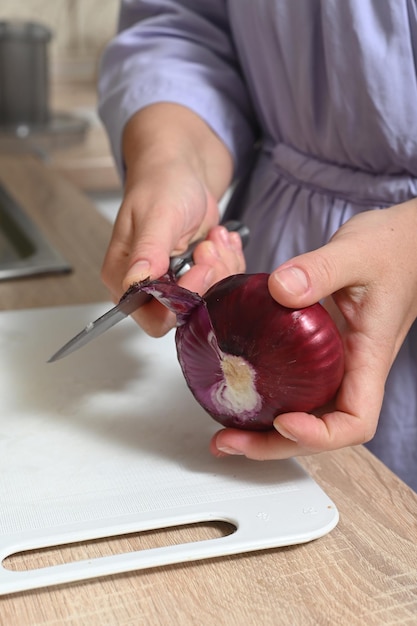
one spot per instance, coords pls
(236, 393)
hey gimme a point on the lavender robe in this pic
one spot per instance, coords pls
(327, 89)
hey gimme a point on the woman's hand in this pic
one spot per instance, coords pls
(176, 170)
(370, 269)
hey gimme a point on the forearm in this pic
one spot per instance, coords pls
(163, 134)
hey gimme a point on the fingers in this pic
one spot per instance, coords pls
(348, 260)
(369, 269)
(259, 446)
(305, 435)
(310, 277)
(295, 434)
(372, 248)
(215, 258)
(135, 251)
(352, 420)
(160, 215)
(222, 253)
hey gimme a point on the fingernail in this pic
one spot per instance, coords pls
(140, 270)
(224, 236)
(284, 432)
(228, 450)
(293, 279)
(235, 241)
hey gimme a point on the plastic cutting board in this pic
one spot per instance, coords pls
(110, 441)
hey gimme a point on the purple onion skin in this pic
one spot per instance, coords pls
(291, 359)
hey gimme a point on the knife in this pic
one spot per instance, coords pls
(133, 300)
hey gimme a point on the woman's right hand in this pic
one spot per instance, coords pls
(170, 200)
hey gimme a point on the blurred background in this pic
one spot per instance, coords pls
(80, 30)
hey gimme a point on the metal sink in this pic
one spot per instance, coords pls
(24, 251)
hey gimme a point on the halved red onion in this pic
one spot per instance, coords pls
(245, 357)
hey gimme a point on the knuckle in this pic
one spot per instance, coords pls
(368, 433)
(326, 268)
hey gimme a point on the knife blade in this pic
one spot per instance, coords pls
(132, 300)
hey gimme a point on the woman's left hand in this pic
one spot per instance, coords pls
(369, 267)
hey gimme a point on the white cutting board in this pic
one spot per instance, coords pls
(110, 441)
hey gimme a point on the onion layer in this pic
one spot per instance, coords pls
(245, 357)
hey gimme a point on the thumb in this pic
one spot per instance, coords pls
(150, 249)
(146, 261)
(310, 277)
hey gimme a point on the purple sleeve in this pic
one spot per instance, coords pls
(176, 51)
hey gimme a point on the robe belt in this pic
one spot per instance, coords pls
(339, 181)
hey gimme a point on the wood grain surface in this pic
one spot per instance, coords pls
(70, 222)
(363, 572)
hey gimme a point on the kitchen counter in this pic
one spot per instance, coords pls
(362, 572)
(66, 217)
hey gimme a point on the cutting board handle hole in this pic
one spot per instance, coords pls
(38, 558)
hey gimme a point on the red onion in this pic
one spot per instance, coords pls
(245, 357)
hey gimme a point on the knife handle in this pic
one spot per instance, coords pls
(179, 265)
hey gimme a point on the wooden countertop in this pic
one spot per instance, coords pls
(70, 222)
(362, 572)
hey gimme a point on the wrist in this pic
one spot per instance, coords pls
(165, 135)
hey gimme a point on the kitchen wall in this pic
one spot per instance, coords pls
(81, 29)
